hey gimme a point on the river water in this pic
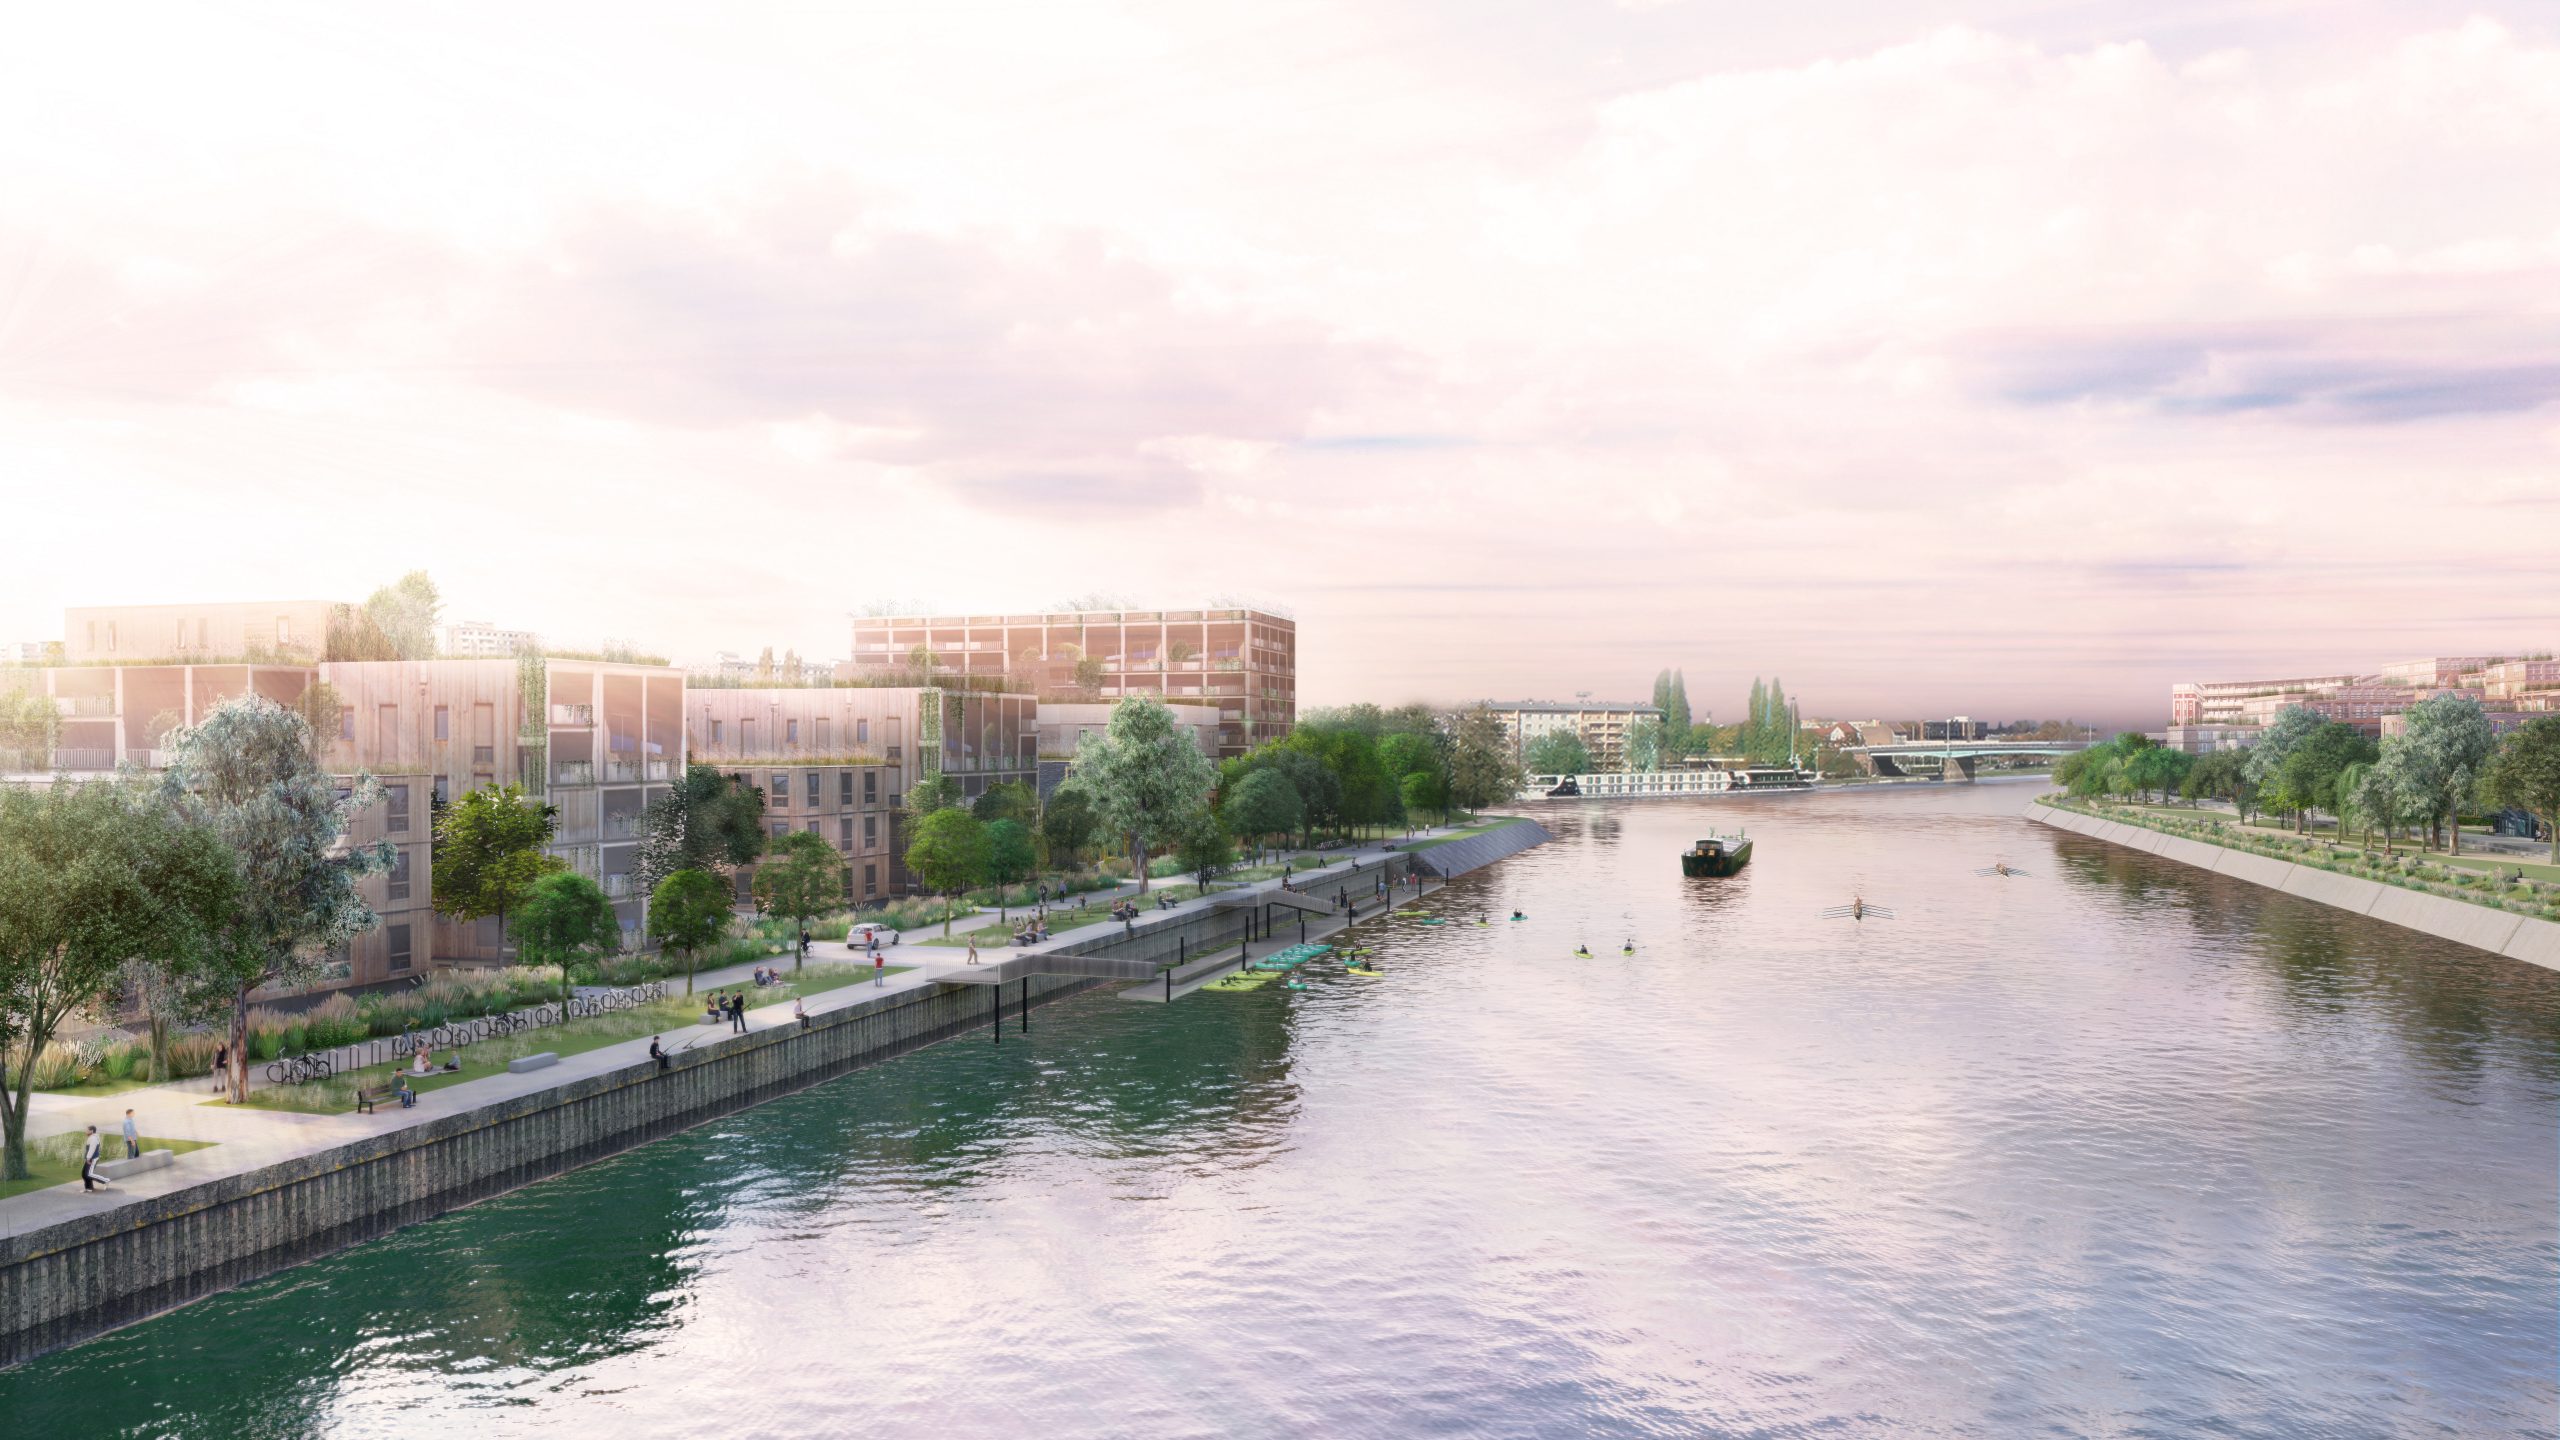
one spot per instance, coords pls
(2115, 1148)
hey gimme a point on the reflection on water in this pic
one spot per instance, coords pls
(2121, 1148)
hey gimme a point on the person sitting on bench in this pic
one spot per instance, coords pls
(408, 1097)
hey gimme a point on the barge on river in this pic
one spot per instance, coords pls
(1646, 784)
(1716, 855)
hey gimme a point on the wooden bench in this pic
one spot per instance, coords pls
(366, 1100)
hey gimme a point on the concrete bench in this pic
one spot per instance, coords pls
(532, 1062)
(147, 1160)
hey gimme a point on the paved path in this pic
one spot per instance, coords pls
(246, 1138)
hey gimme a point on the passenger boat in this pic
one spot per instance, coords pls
(1716, 855)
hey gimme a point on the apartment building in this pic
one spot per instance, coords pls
(596, 741)
(1064, 724)
(1241, 662)
(2216, 715)
(1601, 725)
(480, 640)
(267, 629)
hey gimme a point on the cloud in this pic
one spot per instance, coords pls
(2302, 372)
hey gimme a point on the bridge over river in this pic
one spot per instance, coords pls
(1953, 757)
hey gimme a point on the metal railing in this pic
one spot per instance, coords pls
(573, 772)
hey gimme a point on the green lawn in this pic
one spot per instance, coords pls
(91, 1089)
(55, 1159)
(1478, 828)
(677, 1015)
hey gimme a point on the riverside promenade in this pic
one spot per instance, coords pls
(275, 1187)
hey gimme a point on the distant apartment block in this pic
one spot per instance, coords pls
(1241, 662)
(1601, 725)
(480, 640)
(2221, 714)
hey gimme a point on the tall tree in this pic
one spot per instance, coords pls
(948, 852)
(2447, 744)
(488, 852)
(563, 918)
(1204, 847)
(2526, 774)
(246, 775)
(937, 791)
(92, 878)
(1007, 800)
(1067, 825)
(802, 876)
(1482, 769)
(1146, 777)
(1262, 804)
(1010, 859)
(705, 822)
(30, 727)
(1644, 745)
(687, 911)
(405, 612)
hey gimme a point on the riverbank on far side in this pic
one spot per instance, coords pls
(2500, 932)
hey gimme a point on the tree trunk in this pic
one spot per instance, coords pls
(688, 971)
(13, 1125)
(239, 1076)
(160, 1062)
(1138, 859)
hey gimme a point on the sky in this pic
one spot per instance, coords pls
(2008, 359)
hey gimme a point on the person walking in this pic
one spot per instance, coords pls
(879, 967)
(89, 1177)
(738, 1012)
(804, 942)
(973, 951)
(132, 1136)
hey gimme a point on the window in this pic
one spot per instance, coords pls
(715, 732)
(844, 831)
(844, 787)
(870, 787)
(781, 789)
(395, 812)
(812, 827)
(443, 791)
(870, 832)
(862, 732)
(399, 948)
(444, 723)
(346, 722)
(809, 791)
(399, 882)
(781, 828)
(870, 881)
(791, 732)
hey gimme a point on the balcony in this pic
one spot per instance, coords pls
(573, 714)
(88, 705)
(617, 887)
(573, 772)
(662, 769)
(621, 772)
(67, 758)
(622, 827)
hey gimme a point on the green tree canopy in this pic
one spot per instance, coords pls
(1262, 804)
(92, 877)
(30, 727)
(1011, 857)
(688, 910)
(937, 791)
(802, 876)
(488, 852)
(2526, 774)
(1007, 800)
(245, 774)
(1558, 752)
(1482, 769)
(565, 917)
(405, 612)
(1204, 847)
(707, 822)
(1146, 776)
(2441, 754)
(1067, 824)
(947, 850)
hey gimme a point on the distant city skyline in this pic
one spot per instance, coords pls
(2015, 359)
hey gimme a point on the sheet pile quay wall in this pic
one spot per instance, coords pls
(65, 1283)
(2518, 937)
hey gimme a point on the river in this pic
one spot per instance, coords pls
(2113, 1148)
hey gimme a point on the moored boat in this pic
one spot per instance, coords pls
(1716, 855)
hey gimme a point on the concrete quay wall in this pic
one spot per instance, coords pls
(2500, 932)
(1457, 857)
(68, 1282)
